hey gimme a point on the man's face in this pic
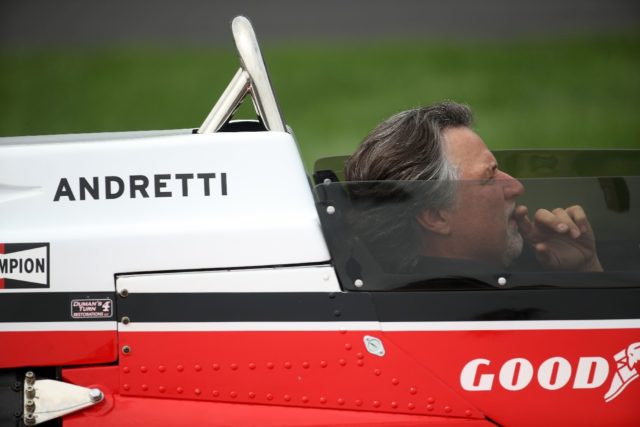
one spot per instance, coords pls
(482, 224)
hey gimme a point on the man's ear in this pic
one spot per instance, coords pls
(434, 221)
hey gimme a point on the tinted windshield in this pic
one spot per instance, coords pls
(468, 234)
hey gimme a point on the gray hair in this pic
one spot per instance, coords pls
(408, 146)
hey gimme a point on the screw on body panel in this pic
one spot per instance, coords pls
(126, 349)
(125, 320)
(95, 394)
(30, 392)
(331, 210)
(30, 419)
(124, 293)
(29, 378)
(359, 283)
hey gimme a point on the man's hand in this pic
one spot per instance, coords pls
(562, 239)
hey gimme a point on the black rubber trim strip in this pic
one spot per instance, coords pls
(539, 304)
(247, 307)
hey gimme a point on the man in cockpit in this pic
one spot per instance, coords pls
(470, 209)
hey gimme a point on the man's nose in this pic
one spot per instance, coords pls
(512, 187)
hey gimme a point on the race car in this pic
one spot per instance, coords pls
(198, 277)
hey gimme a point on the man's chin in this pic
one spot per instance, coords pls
(515, 243)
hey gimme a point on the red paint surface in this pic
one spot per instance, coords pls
(448, 352)
(327, 378)
(329, 370)
(118, 410)
(57, 348)
(137, 411)
(419, 374)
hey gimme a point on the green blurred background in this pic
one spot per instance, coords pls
(578, 89)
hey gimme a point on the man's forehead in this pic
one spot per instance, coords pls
(466, 150)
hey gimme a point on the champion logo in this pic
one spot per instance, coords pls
(555, 373)
(24, 265)
(626, 360)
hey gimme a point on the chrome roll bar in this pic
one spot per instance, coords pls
(250, 79)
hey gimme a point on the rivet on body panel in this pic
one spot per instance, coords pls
(126, 349)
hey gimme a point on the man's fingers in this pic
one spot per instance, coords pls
(563, 216)
(524, 223)
(558, 221)
(579, 217)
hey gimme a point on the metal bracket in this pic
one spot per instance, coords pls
(250, 79)
(45, 400)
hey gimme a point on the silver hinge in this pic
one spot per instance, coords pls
(45, 400)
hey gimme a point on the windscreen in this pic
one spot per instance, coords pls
(457, 235)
